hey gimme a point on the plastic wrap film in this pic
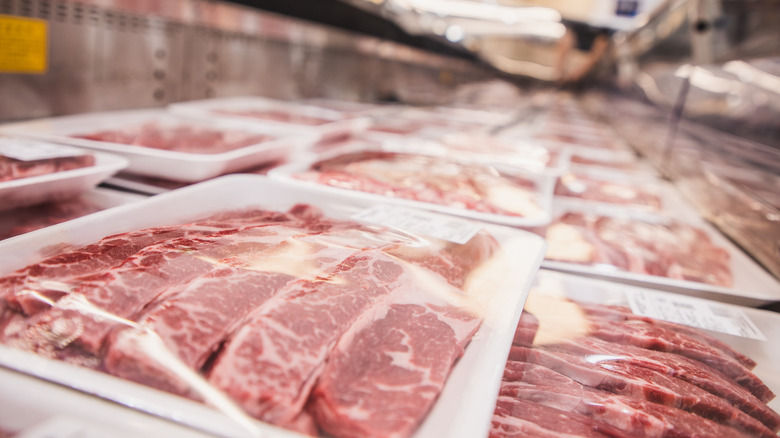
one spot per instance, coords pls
(654, 246)
(266, 314)
(26, 219)
(474, 190)
(583, 363)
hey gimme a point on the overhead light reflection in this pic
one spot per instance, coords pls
(752, 75)
(706, 80)
(454, 34)
(481, 11)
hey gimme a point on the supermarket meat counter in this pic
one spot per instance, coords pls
(503, 260)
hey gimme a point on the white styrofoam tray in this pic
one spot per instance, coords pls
(339, 123)
(463, 409)
(751, 286)
(764, 352)
(543, 189)
(173, 165)
(24, 192)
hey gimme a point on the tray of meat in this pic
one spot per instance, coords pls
(625, 162)
(321, 123)
(316, 312)
(569, 134)
(353, 108)
(485, 148)
(163, 145)
(620, 190)
(20, 158)
(492, 118)
(34, 172)
(592, 359)
(477, 191)
(580, 139)
(666, 252)
(433, 122)
(400, 127)
(26, 219)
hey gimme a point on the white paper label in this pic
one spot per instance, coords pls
(439, 226)
(695, 312)
(31, 150)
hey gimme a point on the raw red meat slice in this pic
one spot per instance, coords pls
(12, 169)
(27, 219)
(638, 418)
(271, 363)
(365, 387)
(124, 290)
(180, 138)
(608, 373)
(679, 367)
(611, 192)
(520, 418)
(470, 186)
(194, 320)
(624, 314)
(673, 249)
(52, 276)
(191, 325)
(668, 338)
(656, 338)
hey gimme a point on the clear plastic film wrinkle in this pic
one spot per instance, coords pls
(153, 346)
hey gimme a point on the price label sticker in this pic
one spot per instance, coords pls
(420, 222)
(30, 150)
(695, 312)
(23, 45)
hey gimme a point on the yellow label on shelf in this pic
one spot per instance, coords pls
(23, 45)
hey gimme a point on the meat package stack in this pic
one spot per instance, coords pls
(43, 180)
(374, 282)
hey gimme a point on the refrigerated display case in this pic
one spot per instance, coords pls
(388, 218)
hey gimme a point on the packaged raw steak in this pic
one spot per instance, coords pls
(180, 137)
(277, 115)
(24, 158)
(333, 325)
(661, 247)
(159, 144)
(484, 148)
(324, 124)
(588, 361)
(470, 189)
(618, 191)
